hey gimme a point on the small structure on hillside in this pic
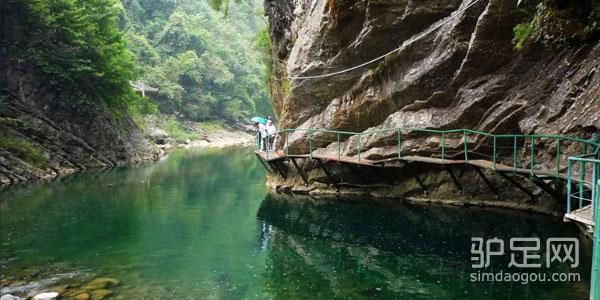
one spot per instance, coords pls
(142, 88)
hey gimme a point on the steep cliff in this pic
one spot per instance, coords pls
(455, 67)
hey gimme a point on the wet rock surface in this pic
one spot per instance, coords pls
(65, 285)
(455, 67)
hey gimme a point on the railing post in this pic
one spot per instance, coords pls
(443, 146)
(310, 145)
(266, 143)
(532, 156)
(399, 141)
(359, 147)
(287, 147)
(338, 146)
(514, 153)
(569, 184)
(494, 153)
(558, 157)
(595, 280)
(594, 190)
(257, 142)
(582, 176)
(465, 141)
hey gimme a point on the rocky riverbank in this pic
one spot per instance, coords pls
(46, 149)
(76, 285)
(169, 133)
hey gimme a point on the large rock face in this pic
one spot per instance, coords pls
(50, 138)
(456, 68)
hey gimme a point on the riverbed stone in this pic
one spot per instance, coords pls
(72, 292)
(46, 296)
(9, 297)
(100, 294)
(100, 283)
(82, 296)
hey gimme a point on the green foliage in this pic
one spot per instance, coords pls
(522, 32)
(213, 125)
(23, 150)
(205, 64)
(557, 22)
(80, 43)
(172, 127)
(78, 48)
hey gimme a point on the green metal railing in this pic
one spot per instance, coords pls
(595, 283)
(581, 193)
(516, 150)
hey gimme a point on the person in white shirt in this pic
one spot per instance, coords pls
(271, 130)
(262, 135)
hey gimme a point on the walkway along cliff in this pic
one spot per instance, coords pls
(430, 101)
(454, 67)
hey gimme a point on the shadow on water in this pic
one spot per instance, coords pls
(365, 249)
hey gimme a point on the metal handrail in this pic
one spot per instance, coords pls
(585, 144)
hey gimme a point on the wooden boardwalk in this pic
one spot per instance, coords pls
(582, 216)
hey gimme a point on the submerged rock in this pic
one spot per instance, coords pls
(9, 297)
(82, 296)
(46, 296)
(100, 283)
(100, 294)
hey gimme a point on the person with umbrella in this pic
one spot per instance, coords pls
(261, 132)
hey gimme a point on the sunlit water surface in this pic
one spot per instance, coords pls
(200, 224)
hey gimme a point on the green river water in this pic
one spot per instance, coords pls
(201, 225)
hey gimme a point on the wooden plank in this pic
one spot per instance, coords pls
(582, 215)
(432, 160)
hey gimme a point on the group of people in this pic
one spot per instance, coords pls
(266, 137)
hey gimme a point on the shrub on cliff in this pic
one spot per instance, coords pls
(558, 21)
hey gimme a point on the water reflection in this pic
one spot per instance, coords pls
(200, 224)
(357, 250)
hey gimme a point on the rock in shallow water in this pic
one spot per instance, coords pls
(46, 296)
(82, 296)
(9, 297)
(100, 294)
(100, 283)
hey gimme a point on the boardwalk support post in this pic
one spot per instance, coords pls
(546, 187)
(517, 185)
(358, 174)
(416, 176)
(454, 179)
(279, 170)
(329, 176)
(264, 163)
(487, 182)
(299, 171)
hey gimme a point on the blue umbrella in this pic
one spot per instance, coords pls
(260, 120)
